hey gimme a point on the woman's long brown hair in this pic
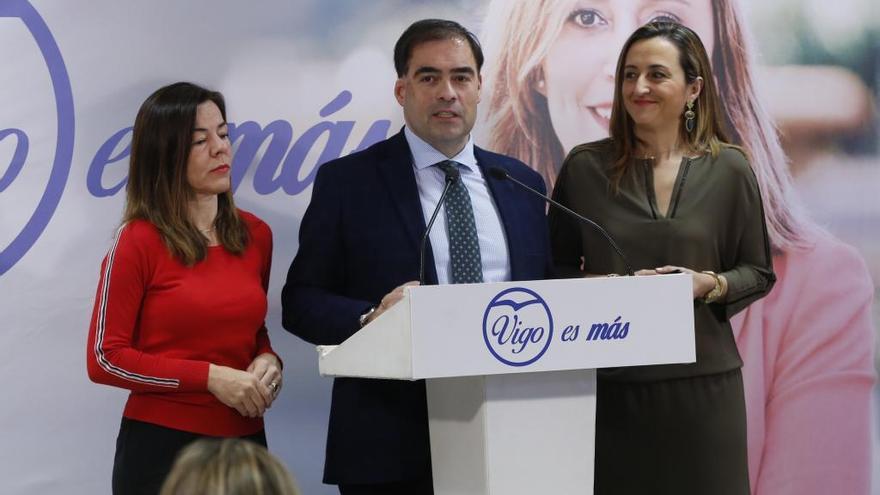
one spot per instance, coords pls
(158, 190)
(708, 133)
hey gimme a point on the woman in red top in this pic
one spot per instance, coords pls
(180, 308)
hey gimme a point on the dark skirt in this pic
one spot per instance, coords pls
(145, 453)
(681, 436)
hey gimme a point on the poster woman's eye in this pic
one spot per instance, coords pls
(665, 17)
(587, 18)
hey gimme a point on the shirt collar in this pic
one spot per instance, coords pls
(424, 155)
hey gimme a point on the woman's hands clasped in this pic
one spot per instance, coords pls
(267, 369)
(249, 392)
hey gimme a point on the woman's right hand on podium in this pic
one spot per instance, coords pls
(239, 390)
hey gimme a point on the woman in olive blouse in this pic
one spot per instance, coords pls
(676, 198)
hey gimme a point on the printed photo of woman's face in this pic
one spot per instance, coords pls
(577, 75)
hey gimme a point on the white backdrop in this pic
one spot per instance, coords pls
(279, 63)
(57, 429)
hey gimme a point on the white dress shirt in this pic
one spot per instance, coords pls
(430, 181)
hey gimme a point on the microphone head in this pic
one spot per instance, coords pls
(499, 173)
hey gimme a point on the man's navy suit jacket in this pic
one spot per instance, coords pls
(359, 239)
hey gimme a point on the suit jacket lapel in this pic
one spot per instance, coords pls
(396, 171)
(506, 199)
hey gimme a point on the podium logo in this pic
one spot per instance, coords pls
(517, 326)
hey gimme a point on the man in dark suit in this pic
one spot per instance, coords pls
(359, 246)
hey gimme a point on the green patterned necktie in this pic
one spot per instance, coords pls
(464, 246)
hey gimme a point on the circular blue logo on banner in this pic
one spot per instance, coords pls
(517, 326)
(51, 195)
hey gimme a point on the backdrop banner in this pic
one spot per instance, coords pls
(307, 81)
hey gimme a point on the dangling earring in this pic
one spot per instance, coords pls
(689, 117)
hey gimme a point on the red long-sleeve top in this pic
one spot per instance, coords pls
(158, 325)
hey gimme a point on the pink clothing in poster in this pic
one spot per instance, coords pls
(808, 373)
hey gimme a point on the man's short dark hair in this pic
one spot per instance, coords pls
(432, 30)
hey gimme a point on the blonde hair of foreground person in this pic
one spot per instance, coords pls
(230, 466)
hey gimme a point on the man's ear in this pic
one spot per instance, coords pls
(400, 90)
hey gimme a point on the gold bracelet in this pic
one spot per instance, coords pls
(715, 293)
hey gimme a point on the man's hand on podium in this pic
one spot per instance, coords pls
(389, 300)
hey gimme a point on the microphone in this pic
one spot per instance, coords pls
(501, 174)
(452, 175)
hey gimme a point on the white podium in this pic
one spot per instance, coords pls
(510, 370)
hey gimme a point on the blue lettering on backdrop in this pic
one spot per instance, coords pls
(290, 178)
(51, 196)
(103, 158)
(281, 166)
(18, 156)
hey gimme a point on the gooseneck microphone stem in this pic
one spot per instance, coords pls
(500, 173)
(451, 176)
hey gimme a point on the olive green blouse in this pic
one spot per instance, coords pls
(715, 221)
